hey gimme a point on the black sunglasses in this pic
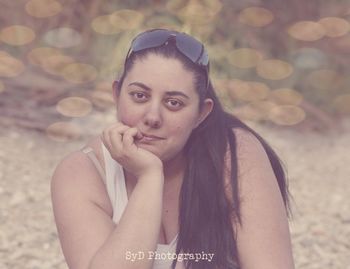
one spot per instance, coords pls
(186, 44)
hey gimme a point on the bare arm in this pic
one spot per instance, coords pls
(138, 229)
(88, 237)
(263, 240)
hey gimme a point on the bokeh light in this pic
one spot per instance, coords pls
(196, 12)
(63, 131)
(79, 73)
(306, 31)
(103, 25)
(38, 56)
(256, 16)
(17, 35)
(10, 66)
(285, 96)
(126, 19)
(56, 63)
(254, 111)
(102, 95)
(274, 69)
(324, 79)
(335, 27)
(247, 90)
(287, 115)
(74, 107)
(43, 8)
(63, 37)
(245, 57)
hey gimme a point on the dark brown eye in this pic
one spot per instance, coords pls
(138, 96)
(173, 103)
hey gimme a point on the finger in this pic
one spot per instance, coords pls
(116, 138)
(107, 135)
(117, 133)
(129, 138)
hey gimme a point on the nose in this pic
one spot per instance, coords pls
(153, 117)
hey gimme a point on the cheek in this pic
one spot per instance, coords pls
(178, 130)
(127, 118)
(181, 131)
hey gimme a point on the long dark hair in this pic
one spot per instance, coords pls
(205, 215)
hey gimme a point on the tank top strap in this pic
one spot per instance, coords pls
(92, 156)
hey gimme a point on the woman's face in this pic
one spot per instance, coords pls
(158, 97)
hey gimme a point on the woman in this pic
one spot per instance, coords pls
(183, 182)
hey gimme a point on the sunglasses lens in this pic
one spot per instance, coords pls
(150, 39)
(204, 60)
(189, 47)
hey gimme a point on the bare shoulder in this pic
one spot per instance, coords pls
(82, 209)
(77, 172)
(264, 219)
(251, 154)
(248, 144)
(255, 172)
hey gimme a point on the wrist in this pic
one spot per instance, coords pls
(152, 175)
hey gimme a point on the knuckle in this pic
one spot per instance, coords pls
(129, 131)
(122, 128)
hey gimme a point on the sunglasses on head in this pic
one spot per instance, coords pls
(187, 45)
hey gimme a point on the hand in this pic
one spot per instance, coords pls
(119, 139)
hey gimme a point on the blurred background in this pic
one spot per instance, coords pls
(282, 63)
(281, 66)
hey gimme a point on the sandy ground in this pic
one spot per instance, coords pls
(319, 178)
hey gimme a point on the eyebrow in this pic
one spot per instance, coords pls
(171, 93)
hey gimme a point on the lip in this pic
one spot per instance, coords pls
(151, 137)
(146, 139)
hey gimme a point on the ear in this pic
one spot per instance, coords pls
(206, 109)
(115, 90)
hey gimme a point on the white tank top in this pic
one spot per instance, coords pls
(114, 180)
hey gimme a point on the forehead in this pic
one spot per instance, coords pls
(160, 73)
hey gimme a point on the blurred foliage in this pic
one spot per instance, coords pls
(301, 46)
